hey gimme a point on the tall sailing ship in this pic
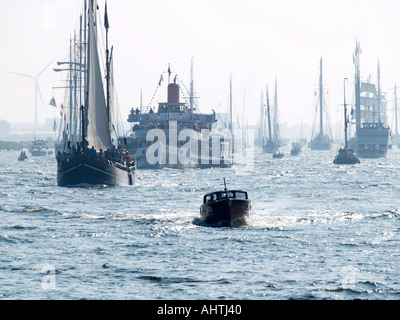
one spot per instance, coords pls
(176, 134)
(92, 158)
(372, 137)
(321, 141)
(272, 143)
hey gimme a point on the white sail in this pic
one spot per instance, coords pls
(98, 130)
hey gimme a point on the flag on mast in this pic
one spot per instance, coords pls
(161, 80)
(106, 24)
(53, 102)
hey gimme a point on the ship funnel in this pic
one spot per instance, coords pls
(173, 92)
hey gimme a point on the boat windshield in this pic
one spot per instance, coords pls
(239, 195)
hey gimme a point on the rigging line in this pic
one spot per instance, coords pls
(183, 93)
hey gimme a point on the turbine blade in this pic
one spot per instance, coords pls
(22, 74)
(40, 73)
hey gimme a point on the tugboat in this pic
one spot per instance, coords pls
(345, 155)
(296, 149)
(227, 208)
(22, 156)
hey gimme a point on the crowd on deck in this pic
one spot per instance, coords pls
(114, 155)
(197, 126)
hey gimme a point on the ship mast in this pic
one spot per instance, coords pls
(231, 115)
(269, 117)
(106, 25)
(345, 114)
(395, 109)
(191, 86)
(321, 124)
(356, 60)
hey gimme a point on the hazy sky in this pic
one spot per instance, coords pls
(255, 41)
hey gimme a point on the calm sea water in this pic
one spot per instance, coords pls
(319, 231)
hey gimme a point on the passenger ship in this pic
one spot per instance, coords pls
(176, 136)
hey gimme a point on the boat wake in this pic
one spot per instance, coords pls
(237, 223)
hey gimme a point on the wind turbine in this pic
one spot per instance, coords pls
(37, 89)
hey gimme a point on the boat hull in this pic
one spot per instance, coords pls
(82, 170)
(372, 141)
(270, 147)
(196, 162)
(226, 213)
(321, 142)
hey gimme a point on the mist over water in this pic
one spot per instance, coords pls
(319, 231)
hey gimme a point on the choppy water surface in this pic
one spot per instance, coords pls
(319, 231)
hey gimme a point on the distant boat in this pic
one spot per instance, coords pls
(296, 149)
(22, 156)
(272, 143)
(95, 160)
(227, 208)
(321, 141)
(38, 148)
(346, 155)
(373, 135)
(278, 155)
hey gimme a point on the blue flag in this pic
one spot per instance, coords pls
(53, 102)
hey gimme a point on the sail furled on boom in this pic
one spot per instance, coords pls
(97, 132)
(111, 111)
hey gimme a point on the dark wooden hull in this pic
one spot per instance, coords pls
(83, 170)
(226, 213)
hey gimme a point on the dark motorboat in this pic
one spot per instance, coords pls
(102, 164)
(296, 149)
(227, 208)
(278, 155)
(345, 155)
(22, 156)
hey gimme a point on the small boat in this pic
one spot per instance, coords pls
(227, 208)
(296, 149)
(22, 156)
(278, 155)
(38, 148)
(346, 155)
